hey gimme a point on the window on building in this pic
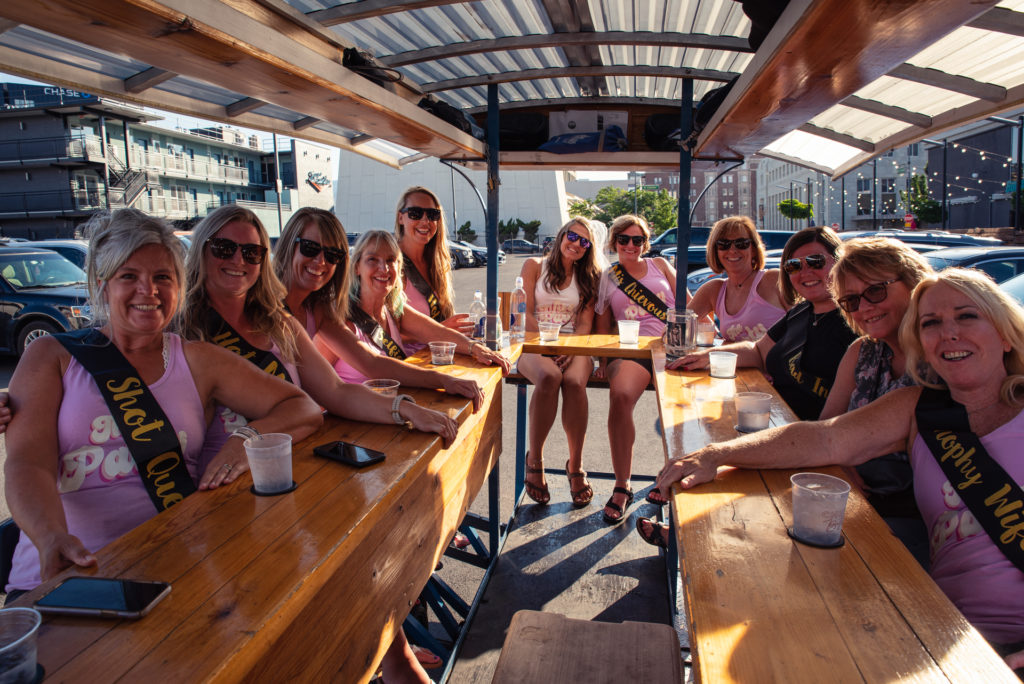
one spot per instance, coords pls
(887, 196)
(913, 150)
(864, 197)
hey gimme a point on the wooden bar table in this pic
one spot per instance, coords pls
(762, 607)
(591, 345)
(310, 585)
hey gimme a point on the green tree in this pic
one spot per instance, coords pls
(530, 230)
(465, 232)
(508, 229)
(918, 202)
(658, 208)
(795, 209)
(582, 208)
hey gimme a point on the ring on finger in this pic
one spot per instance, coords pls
(227, 467)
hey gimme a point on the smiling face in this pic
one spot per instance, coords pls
(959, 342)
(630, 253)
(311, 273)
(812, 283)
(420, 230)
(880, 321)
(572, 251)
(736, 261)
(377, 270)
(232, 276)
(142, 295)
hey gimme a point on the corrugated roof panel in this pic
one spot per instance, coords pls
(40, 43)
(984, 56)
(813, 149)
(916, 97)
(859, 124)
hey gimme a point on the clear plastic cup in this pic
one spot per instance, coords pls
(753, 410)
(442, 353)
(18, 631)
(629, 332)
(549, 331)
(723, 364)
(385, 386)
(705, 333)
(819, 506)
(270, 460)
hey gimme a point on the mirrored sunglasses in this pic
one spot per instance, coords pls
(740, 243)
(224, 249)
(815, 261)
(310, 249)
(875, 294)
(573, 237)
(416, 213)
(625, 240)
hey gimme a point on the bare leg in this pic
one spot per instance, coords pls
(400, 665)
(546, 378)
(575, 409)
(627, 381)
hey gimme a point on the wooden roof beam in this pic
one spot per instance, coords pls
(578, 71)
(353, 11)
(951, 82)
(305, 122)
(6, 25)
(243, 106)
(888, 111)
(561, 39)
(149, 78)
(836, 136)
(1002, 20)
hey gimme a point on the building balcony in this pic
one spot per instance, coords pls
(52, 203)
(205, 170)
(75, 149)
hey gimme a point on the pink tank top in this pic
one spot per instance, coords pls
(100, 489)
(753, 319)
(623, 308)
(347, 372)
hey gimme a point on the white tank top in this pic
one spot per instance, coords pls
(558, 306)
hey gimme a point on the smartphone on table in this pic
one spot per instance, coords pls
(103, 597)
(348, 453)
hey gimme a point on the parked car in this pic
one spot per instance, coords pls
(697, 254)
(461, 256)
(930, 237)
(74, 251)
(520, 247)
(480, 252)
(1014, 287)
(1002, 263)
(41, 293)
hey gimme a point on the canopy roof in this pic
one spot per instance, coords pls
(835, 82)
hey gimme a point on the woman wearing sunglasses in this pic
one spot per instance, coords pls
(422, 234)
(560, 288)
(747, 301)
(311, 259)
(802, 351)
(634, 289)
(380, 317)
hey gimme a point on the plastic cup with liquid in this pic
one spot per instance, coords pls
(723, 364)
(819, 506)
(385, 386)
(705, 333)
(270, 461)
(549, 331)
(753, 410)
(442, 353)
(629, 332)
(19, 628)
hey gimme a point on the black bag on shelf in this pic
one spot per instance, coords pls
(763, 14)
(521, 131)
(365, 65)
(456, 117)
(709, 104)
(661, 132)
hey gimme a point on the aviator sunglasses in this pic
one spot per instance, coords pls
(875, 294)
(740, 243)
(573, 237)
(310, 248)
(416, 213)
(224, 249)
(815, 261)
(625, 239)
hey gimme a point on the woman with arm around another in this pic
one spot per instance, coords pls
(970, 334)
(560, 288)
(73, 470)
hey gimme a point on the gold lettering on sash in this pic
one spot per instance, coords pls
(230, 342)
(136, 417)
(1004, 510)
(272, 369)
(156, 472)
(961, 458)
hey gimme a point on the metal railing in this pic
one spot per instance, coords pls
(187, 167)
(53, 202)
(85, 147)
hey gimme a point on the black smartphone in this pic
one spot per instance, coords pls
(103, 597)
(351, 454)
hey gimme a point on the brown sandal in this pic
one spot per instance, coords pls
(539, 493)
(585, 494)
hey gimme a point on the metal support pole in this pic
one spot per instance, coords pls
(683, 217)
(493, 121)
(1020, 152)
(792, 228)
(810, 219)
(279, 186)
(842, 203)
(455, 208)
(945, 201)
(106, 165)
(874, 191)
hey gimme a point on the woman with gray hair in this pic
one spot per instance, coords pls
(97, 409)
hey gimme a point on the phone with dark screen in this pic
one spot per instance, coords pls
(348, 453)
(103, 597)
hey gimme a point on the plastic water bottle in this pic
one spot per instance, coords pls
(517, 324)
(478, 314)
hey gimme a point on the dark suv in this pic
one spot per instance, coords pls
(41, 293)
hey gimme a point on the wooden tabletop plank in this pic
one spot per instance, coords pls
(591, 345)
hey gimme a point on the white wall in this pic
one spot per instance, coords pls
(367, 193)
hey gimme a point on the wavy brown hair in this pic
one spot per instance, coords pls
(824, 236)
(585, 268)
(436, 253)
(332, 297)
(728, 225)
(264, 302)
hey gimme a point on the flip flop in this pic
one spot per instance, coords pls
(427, 658)
(653, 535)
(616, 507)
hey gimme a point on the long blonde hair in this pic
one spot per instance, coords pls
(334, 295)
(372, 241)
(264, 302)
(436, 253)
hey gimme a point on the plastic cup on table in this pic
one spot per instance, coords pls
(549, 331)
(270, 461)
(442, 353)
(705, 333)
(819, 506)
(385, 386)
(629, 332)
(723, 364)
(752, 411)
(19, 628)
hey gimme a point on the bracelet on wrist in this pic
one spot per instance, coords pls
(396, 404)
(246, 432)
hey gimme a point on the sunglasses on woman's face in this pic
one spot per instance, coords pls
(574, 237)
(875, 294)
(224, 249)
(310, 248)
(416, 213)
(625, 239)
(740, 243)
(794, 265)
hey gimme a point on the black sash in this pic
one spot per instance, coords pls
(417, 280)
(376, 332)
(226, 336)
(992, 496)
(638, 293)
(147, 432)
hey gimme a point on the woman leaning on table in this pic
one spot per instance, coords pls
(634, 289)
(380, 317)
(971, 336)
(747, 302)
(77, 446)
(560, 288)
(311, 259)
